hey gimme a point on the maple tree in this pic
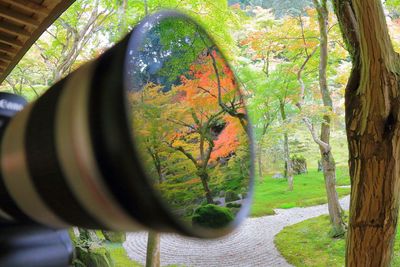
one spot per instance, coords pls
(286, 51)
(188, 116)
(266, 46)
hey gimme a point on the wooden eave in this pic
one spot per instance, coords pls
(22, 22)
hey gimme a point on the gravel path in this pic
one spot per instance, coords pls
(251, 245)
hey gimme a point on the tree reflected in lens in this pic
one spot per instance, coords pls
(189, 122)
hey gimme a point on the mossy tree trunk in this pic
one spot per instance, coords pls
(204, 181)
(153, 250)
(372, 122)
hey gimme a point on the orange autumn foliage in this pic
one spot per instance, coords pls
(228, 140)
(202, 89)
(199, 92)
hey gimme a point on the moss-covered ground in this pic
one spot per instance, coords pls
(308, 244)
(309, 190)
(119, 256)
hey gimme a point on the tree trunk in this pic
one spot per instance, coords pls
(288, 162)
(372, 122)
(260, 167)
(286, 150)
(122, 9)
(327, 160)
(335, 211)
(204, 180)
(153, 250)
(374, 168)
(157, 163)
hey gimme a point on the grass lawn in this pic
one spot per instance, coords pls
(308, 244)
(309, 190)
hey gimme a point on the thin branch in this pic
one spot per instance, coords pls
(314, 135)
(184, 152)
(182, 123)
(207, 91)
(300, 79)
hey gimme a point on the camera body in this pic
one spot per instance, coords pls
(21, 243)
(38, 246)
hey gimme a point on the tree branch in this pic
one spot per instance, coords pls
(314, 135)
(187, 154)
(349, 26)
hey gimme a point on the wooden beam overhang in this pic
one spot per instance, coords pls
(22, 22)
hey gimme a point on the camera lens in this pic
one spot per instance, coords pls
(151, 135)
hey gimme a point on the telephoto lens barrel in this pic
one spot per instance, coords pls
(22, 243)
(151, 135)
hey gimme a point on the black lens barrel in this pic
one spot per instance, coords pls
(68, 158)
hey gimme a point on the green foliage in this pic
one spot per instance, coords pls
(210, 13)
(93, 256)
(273, 53)
(234, 205)
(190, 145)
(308, 244)
(299, 158)
(114, 237)
(309, 190)
(80, 34)
(299, 164)
(393, 7)
(231, 196)
(230, 177)
(280, 7)
(89, 250)
(212, 216)
(93, 250)
(301, 143)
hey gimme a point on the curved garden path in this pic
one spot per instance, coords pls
(251, 245)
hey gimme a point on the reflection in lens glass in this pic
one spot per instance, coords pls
(189, 122)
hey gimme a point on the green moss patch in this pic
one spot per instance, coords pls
(212, 216)
(308, 244)
(309, 190)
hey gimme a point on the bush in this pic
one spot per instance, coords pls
(93, 257)
(299, 164)
(212, 216)
(231, 196)
(233, 205)
(114, 237)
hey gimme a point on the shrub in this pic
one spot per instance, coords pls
(93, 256)
(233, 205)
(212, 216)
(231, 196)
(114, 237)
(299, 164)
